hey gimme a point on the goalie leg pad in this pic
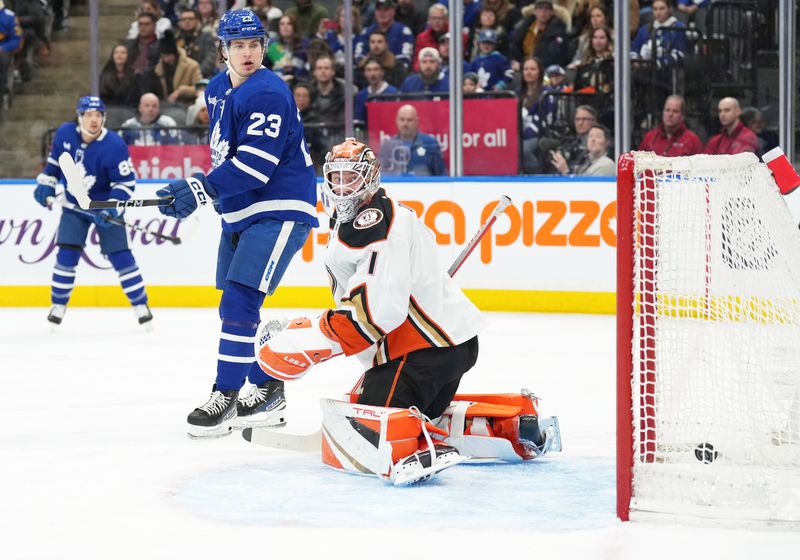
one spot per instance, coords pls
(393, 444)
(503, 427)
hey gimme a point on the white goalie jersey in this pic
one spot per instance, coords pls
(389, 287)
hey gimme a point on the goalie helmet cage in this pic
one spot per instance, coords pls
(708, 341)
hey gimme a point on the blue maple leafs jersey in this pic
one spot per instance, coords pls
(262, 168)
(105, 162)
(493, 69)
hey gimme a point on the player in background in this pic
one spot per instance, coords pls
(264, 187)
(108, 175)
(400, 312)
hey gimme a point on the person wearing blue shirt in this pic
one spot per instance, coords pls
(430, 78)
(376, 85)
(108, 174)
(400, 37)
(10, 43)
(493, 69)
(263, 185)
(411, 152)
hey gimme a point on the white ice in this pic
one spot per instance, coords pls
(95, 462)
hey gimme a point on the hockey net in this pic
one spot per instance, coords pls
(708, 334)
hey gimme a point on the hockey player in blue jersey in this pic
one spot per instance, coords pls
(108, 174)
(264, 187)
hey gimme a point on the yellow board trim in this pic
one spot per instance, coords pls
(305, 297)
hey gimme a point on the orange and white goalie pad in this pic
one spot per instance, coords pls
(503, 427)
(288, 349)
(393, 444)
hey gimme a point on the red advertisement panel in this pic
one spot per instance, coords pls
(490, 137)
(170, 162)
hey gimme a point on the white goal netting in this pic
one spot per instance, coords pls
(716, 340)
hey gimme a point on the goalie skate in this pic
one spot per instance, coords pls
(264, 406)
(418, 468)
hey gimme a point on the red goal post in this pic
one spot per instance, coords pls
(708, 340)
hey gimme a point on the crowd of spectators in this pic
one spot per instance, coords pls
(556, 57)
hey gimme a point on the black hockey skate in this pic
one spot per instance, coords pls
(263, 407)
(539, 435)
(216, 417)
(56, 314)
(144, 315)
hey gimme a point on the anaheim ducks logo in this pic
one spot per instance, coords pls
(367, 218)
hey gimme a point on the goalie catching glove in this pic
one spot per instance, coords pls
(287, 349)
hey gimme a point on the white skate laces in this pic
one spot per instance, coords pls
(217, 402)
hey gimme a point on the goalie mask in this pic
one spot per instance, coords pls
(352, 175)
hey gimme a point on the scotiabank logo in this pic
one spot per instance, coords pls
(541, 223)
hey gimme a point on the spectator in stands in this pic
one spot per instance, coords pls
(398, 36)
(174, 77)
(663, 41)
(487, 20)
(598, 17)
(754, 120)
(269, 14)
(199, 45)
(735, 137)
(198, 105)
(541, 35)
(308, 15)
(36, 41)
(333, 34)
(430, 78)
(209, 17)
(149, 127)
(408, 14)
(287, 54)
(595, 74)
(671, 138)
(10, 43)
(530, 93)
(60, 14)
(143, 48)
(694, 11)
(160, 22)
(327, 92)
(411, 152)
(376, 85)
(569, 147)
(492, 68)
(118, 86)
(471, 83)
(379, 49)
(317, 147)
(597, 163)
(507, 13)
(437, 26)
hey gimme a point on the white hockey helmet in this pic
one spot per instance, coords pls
(352, 175)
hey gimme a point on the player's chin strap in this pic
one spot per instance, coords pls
(230, 66)
(86, 132)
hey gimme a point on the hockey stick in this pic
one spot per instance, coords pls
(118, 221)
(313, 441)
(74, 177)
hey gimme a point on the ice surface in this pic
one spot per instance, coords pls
(95, 462)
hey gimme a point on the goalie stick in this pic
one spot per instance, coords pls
(119, 221)
(74, 178)
(313, 441)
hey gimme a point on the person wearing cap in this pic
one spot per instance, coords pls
(430, 78)
(492, 68)
(541, 35)
(437, 26)
(174, 76)
(199, 45)
(411, 152)
(398, 36)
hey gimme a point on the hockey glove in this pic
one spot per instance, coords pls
(288, 349)
(189, 194)
(45, 188)
(102, 218)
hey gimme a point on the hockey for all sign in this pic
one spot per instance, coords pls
(490, 138)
